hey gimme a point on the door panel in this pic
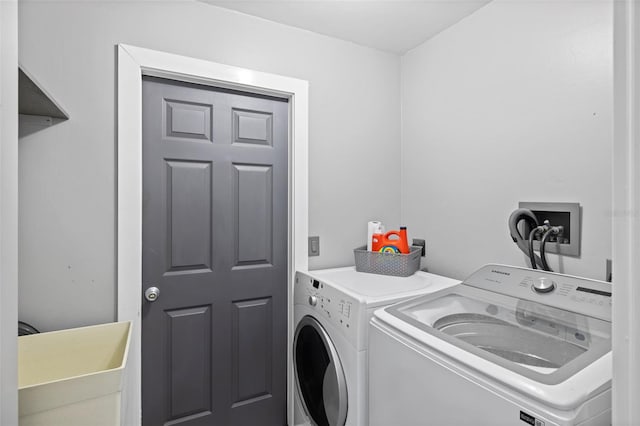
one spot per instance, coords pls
(253, 187)
(215, 243)
(252, 127)
(189, 215)
(189, 355)
(188, 120)
(251, 355)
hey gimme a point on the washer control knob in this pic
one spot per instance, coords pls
(544, 285)
(313, 300)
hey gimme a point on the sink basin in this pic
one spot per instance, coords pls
(73, 377)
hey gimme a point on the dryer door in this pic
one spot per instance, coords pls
(320, 378)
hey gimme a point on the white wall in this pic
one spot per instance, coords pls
(8, 212)
(513, 103)
(67, 172)
(478, 99)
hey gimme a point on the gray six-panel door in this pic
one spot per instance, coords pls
(215, 194)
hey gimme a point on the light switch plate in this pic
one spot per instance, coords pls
(314, 246)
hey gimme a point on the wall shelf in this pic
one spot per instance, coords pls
(36, 107)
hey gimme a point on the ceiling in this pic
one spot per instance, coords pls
(391, 25)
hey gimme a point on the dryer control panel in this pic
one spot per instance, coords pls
(340, 309)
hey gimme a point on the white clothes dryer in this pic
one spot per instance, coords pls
(332, 309)
(508, 346)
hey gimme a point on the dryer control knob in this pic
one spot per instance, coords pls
(544, 285)
(313, 300)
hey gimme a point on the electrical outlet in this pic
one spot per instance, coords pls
(566, 215)
(420, 243)
(314, 246)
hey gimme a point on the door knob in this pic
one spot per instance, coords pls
(152, 294)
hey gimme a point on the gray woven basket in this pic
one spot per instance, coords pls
(396, 264)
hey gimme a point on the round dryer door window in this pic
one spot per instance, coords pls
(319, 375)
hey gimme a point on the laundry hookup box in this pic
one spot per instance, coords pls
(395, 264)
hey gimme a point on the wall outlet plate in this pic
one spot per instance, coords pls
(565, 214)
(420, 243)
(314, 246)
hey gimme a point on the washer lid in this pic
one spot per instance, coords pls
(374, 289)
(535, 340)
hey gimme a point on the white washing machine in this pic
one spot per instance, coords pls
(509, 346)
(331, 315)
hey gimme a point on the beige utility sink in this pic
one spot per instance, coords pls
(73, 377)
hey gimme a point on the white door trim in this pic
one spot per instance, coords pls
(8, 212)
(133, 63)
(626, 213)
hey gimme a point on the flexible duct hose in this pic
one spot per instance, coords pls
(516, 217)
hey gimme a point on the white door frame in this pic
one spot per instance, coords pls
(8, 212)
(626, 213)
(133, 63)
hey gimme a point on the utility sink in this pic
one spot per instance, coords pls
(73, 377)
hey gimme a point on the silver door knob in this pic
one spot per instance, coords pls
(152, 294)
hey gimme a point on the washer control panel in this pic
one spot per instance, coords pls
(582, 295)
(335, 306)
